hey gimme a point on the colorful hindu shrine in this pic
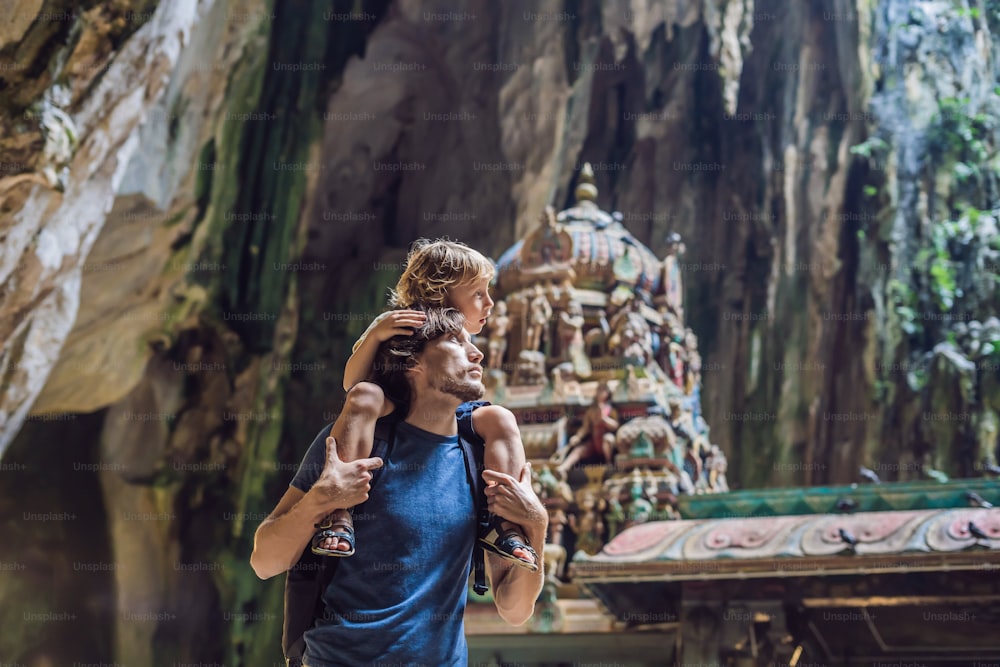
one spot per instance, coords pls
(650, 560)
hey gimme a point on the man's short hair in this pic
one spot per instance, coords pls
(399, 354)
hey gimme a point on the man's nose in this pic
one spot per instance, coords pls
(474, 354)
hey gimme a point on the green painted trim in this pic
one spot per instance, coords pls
(823, 500)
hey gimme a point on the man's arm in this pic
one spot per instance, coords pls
(515, 589)
(282, 536)
(280, 539)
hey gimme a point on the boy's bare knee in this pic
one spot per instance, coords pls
(365, 398)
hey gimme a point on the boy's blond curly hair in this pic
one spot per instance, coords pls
(434, 267)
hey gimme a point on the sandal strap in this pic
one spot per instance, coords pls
(512, 540)
(504, 542)
(329, 524)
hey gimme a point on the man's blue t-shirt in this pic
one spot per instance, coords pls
(400, 599)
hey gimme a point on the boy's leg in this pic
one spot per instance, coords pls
(354, 432)
(504, 453)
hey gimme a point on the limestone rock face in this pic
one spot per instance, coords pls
(55, 207)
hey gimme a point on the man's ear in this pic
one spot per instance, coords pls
(413, 366)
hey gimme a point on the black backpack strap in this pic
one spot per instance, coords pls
(473, 449)
(385, 432)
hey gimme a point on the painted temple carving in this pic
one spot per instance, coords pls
(588, 347)
(591, 351)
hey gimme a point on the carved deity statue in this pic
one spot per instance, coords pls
(596, 340)
(631, 337)
(589, 524)
(529, 368)
(640, 509)
(539, 314)
(716, 466)
(676, 357)
(547, 486)
(570, 330)
(595, 437)
(692, 366)
(673, 284)
(499, 330)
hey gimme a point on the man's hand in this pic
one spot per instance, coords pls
(398, 323)
(345, 484)
(514, 499)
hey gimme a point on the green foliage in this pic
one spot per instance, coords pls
(958, 138)
(872, 147)
(940, 267)
(916, 378)
(936, 261)
(904, 302)
(880, 389)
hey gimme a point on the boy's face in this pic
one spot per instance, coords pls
(472, 300)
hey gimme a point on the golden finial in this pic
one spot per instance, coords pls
(585, 189)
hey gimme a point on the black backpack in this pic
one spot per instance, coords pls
(309, 577)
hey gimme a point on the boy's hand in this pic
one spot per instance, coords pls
(345, 484)
(398, 323)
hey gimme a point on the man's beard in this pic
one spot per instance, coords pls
(464, 391)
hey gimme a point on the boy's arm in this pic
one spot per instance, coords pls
(360, 363)
(384, 327)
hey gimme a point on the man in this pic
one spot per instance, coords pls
(400, 599)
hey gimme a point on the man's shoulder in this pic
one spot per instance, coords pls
(465, 411)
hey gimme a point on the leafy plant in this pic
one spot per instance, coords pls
(940, 268)
(958, 137)
(904, 301)
(871, 147)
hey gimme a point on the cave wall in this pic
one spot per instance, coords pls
(201, 209)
